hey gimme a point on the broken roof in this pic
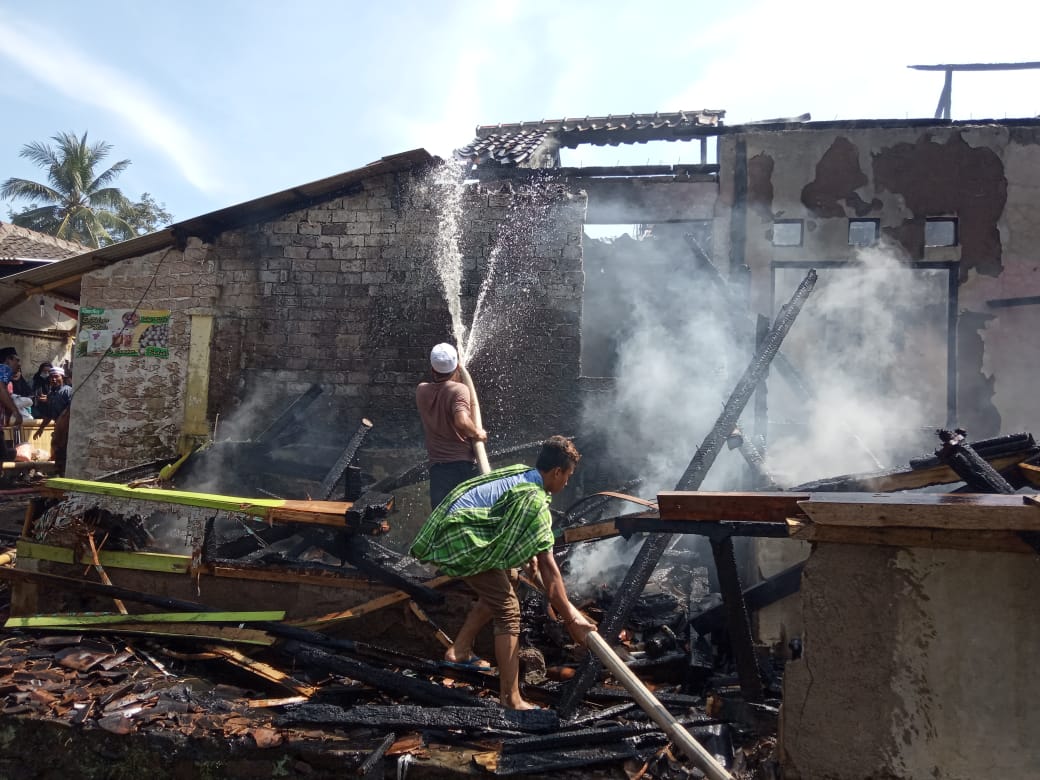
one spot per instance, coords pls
(19, 243)
(512, 144)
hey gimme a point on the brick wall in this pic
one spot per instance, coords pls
(344, 294)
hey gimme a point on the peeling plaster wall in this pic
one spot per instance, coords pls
(917, 663)
(343, 294)
(985, 175)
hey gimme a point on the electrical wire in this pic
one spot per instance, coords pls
(137, 306)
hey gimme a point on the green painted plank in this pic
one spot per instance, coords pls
(210, 633)
(98, 619)
(258, 507)
(114, 559)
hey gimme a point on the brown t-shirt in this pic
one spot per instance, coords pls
(437, 403)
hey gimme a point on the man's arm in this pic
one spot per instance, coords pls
(464, 425)
(577, 624)
(8, 403)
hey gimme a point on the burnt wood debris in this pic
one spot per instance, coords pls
(197, 673)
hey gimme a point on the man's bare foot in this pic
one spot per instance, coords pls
(519, 704)
(451, 655)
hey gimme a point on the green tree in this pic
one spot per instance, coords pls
(144, 216)
(77, 204)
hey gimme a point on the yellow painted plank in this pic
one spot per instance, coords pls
(115, 559)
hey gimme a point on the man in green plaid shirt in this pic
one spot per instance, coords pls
(485, 528)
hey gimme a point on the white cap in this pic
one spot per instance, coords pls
(444, 359)
(56, 371)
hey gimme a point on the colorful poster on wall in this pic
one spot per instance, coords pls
(124, 332)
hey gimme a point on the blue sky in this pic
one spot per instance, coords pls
(222, 101)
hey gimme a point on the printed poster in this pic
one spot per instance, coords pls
(124, 332)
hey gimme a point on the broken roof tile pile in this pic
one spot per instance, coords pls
(18, 243)
(519, 143)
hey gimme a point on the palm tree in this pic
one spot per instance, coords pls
(78, 205)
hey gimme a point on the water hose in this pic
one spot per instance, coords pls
(478, 446)
(649, 703)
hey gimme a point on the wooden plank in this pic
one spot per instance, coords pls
(262, 670)
(322, 579)
(763, 506)
(397, 597)
(981, 541)
(55, 621)
(309, 516)
(113, 559)
(587, 531)
(964, 511)
(319, 512)
(936, 475)
(210, 633)
(1030, 474)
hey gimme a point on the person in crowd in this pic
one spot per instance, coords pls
(40, 382)
(20, 385)
(55, 409)
(444, 407)
(12, 415)
(482, 531)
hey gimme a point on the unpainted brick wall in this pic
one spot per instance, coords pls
(344, 294)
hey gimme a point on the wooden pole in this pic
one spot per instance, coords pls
(682, 738)
(478, 446)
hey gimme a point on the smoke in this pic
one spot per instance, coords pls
(675, 357)
(872, 342)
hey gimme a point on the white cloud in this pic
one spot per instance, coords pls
(58, 64)
(773, 60)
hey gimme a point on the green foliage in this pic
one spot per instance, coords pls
(78, 204)
(144, 216)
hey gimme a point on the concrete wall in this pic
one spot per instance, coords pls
(344, 294)
(917, 663)
(985, 175)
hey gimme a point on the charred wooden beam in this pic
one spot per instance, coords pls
(652, 550)
(757, 597)
(590, 504)
(544, 764)
(474, 719)
(995, 447)
(721, 529)
(372, 767)
(328, 484)
(960, 456)
(293, 414)
(710, 448)
(894, 480)
(390, 682)
(752, 456)
(737, 620)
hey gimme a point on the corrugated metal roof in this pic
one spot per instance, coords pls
(513, 144)
(62, 278)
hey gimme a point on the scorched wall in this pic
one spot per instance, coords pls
(344, 293)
